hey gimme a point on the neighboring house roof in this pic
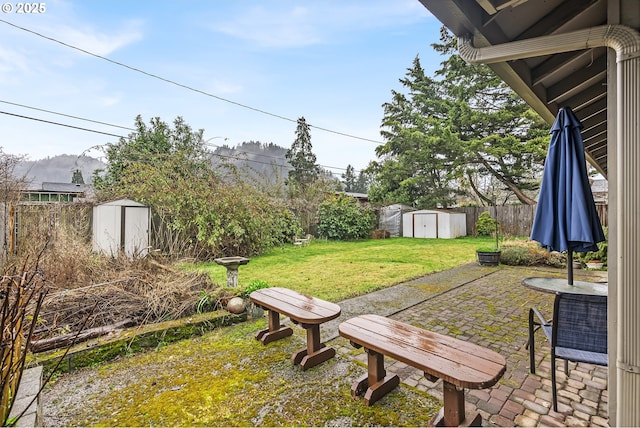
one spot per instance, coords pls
(64, 187)
(58, 192)
(56, 187)
(360, 196)
(600, 186)
(600, 191)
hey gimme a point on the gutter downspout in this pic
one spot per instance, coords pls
(626, 43)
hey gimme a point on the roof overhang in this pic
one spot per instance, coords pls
(577, 79)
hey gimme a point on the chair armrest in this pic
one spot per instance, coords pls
(543, 320)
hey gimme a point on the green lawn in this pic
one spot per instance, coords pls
(334, 271)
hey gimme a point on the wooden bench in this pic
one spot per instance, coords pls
(458, 363)
(309, 312)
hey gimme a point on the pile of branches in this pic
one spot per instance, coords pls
(141, 294)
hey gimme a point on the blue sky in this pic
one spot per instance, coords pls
(334, 62)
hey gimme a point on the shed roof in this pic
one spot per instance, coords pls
(123, 202)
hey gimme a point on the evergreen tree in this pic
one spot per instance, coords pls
(349, 179)
(77, 177)
(504, 142)
(363, 182)
(416, 166)
(462, 131)
(301, 157)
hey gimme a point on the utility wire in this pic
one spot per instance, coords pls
(67, 115)
(129, 138)
(172, 82)
(60, 124)
(112, 125)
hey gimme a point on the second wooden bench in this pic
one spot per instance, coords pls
(458, 363)
(305, 310)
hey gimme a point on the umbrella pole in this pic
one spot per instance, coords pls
(570, 266)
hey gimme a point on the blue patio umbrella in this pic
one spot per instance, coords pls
(566, 217)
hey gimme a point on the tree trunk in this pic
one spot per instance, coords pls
(516, 191)
(72, 338)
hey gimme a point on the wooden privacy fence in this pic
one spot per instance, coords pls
(515, 220)
(26, 226)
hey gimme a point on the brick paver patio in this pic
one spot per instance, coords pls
(492, 311)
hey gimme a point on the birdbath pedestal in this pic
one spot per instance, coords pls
(232, 264)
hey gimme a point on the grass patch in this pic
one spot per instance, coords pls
(336, 270)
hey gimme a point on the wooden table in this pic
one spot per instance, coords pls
(458, 363)
(309, 312)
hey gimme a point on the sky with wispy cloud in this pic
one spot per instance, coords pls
(240, 70)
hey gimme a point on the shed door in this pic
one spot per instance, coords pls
(136, 231)
(425, 225)
(106, 235)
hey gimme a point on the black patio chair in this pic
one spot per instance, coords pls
(577, 332)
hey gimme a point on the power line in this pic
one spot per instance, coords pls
(66, 115)
(127, 137)
(109, 124)
(61, 124)
(172, 82)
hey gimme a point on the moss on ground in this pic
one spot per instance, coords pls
(130, 341)
(227, 378)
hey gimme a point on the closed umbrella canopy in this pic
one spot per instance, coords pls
(566, 217)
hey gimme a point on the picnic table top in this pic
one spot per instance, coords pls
(459, 362)
(300, 307)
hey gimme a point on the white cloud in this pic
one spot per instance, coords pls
(271, 28)
(111, 100)
(285, 24)
(221, 87)
(94, 41)
(12, 61)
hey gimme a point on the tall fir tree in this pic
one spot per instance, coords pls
(460, 132)
(504, 141)
(349, 179)
(416, 160)
(301, 157)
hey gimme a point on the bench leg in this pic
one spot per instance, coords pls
(453, 414)
(275, 331)
(376, 384)
(315, 352)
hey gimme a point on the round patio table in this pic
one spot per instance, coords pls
(561, 286)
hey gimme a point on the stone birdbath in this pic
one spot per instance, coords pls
(232, 264)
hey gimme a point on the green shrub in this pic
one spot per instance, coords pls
(556, 259)
(529, 253)
(486, 225)
(240, 222)
(523, 256)
(601, 254)
(343, 218)
(254, 285)
(487, 249)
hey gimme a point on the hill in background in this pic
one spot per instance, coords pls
(57, 169)
(256, 160)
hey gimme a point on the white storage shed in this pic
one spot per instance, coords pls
(121, 227)
(434, 224)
